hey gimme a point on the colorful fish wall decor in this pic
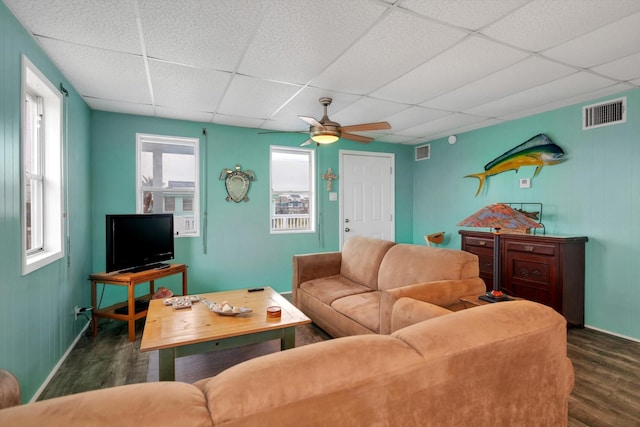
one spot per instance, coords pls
(537, 151)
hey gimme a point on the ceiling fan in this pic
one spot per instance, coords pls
(325, 131)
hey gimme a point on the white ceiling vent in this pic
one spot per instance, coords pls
(604, 114)
(423, 152)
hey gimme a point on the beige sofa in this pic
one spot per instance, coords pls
(353, 292)
(502, 364)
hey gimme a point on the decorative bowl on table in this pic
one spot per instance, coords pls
(225, 309)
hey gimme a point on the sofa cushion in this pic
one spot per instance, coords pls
(329, 289)
(340, 382)
(362, 308)
(406, 264)
(361, 257)
(409, 311)
(165, 403)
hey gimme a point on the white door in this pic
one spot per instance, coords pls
(366, 195)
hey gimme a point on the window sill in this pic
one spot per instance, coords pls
(34, 262)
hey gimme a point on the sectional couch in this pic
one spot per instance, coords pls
(501, 364)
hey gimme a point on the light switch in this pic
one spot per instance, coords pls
(525, 183)
(333, 196)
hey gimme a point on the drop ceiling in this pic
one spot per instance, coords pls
(431, 68)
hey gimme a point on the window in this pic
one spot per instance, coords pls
(292, 190)
(187, 204)
(169, 203)
(41, 168)
(168, 179)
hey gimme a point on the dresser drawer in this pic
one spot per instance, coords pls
(531, 248)
(478, 242)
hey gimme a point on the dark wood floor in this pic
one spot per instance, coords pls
(606, 392)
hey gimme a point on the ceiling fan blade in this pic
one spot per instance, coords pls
(366, 126)
(311, 121)
(307, 142)
(358, 138)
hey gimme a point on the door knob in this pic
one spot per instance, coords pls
(346, 230)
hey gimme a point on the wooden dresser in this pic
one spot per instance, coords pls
(545, 269)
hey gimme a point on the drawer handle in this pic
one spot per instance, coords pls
(529, 248)
(482, 243)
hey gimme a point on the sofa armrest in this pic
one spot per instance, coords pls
(9, 390)
(314, 266)
(443, 293)
(409, 311)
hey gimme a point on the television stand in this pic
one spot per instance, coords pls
(130, 280)
(155, 266)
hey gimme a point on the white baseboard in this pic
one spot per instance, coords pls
(60, 362)
(611, 333)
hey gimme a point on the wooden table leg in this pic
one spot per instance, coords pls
(184, 281)
(167, 364)
(288, 338)
(131, 312)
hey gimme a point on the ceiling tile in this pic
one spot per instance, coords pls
(541, 24)
(107, 24)
(621, 39)
(376, 59)
(442, 124)
(194, 89)
(523, 75)
(183, 114)
(298, 39)
(398, 139)
(467, 14)
(467, 61)
(211, 34)
(250, 97)
(120, 107)
(544, 94)
(623, 69)
(100, 73)
(367, 110)
(414, 116)
(245, 122)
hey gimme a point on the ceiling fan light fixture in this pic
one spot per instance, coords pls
(325, 139)
(325, 136)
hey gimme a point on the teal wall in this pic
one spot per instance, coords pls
(240, 250)
(37, 321)
(595, 193)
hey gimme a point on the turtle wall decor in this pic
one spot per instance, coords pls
(237, 183)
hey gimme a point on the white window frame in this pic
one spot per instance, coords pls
(180, 222)
(49, 149)
(276, 225)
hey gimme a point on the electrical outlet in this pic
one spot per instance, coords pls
(79, 310)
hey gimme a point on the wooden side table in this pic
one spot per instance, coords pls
(474, 301)
(130, 280)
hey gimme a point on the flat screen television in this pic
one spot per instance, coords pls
(137, 242)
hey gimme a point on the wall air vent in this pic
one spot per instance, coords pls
(604, 114)
(423, 152)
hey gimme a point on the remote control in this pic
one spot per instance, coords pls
(255, 290)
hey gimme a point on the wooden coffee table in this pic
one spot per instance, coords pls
(176, 333)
